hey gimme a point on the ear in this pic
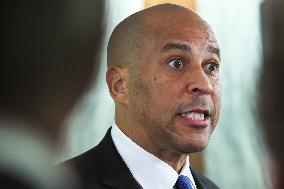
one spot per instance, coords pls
(117, 78)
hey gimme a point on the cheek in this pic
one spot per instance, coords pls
(216, 97)
(144, 92)
(158, 95)
(165, 86)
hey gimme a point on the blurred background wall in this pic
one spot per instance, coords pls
(235, 157)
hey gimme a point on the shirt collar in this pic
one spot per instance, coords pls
(149, 171)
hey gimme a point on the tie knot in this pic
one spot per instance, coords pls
(183, 182)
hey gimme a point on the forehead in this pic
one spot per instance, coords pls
(186, 26)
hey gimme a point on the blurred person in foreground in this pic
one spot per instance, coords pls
(271, 93)
(163, 74)
(50, 55)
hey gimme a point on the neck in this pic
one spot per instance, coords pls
(176, 161)
(173, 158)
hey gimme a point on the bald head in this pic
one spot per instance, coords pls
(126, 37)
(130, 37)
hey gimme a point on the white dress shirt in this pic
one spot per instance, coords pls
(148, 170)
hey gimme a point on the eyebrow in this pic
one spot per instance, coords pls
(183, 47)
(214, 50)
(178, 46)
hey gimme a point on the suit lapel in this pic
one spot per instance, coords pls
(202, 182)
(197, 180)
(115, 172)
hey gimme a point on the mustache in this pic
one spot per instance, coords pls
(198, 102)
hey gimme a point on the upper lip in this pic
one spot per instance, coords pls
(205, 111)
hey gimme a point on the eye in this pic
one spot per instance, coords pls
(176, 63)
(212, 68)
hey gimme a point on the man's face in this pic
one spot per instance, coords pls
(174, 92)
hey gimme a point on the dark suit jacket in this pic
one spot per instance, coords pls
(103, 168)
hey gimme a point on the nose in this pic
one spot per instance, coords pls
(199, 83)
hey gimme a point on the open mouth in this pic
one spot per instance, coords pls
(196, 114)
(196, 118)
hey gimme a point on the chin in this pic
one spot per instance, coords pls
(192, 147)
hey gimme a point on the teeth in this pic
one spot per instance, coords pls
(194, 115)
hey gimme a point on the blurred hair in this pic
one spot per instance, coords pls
(50, 52)
(271, 90)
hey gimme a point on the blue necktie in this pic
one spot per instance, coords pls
(183, 182)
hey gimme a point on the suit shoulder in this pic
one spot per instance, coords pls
(87, 167)
(83, 161)
(93, 156)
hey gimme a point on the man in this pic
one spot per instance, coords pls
(271, 91)
(163, 74)
(50, 55)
